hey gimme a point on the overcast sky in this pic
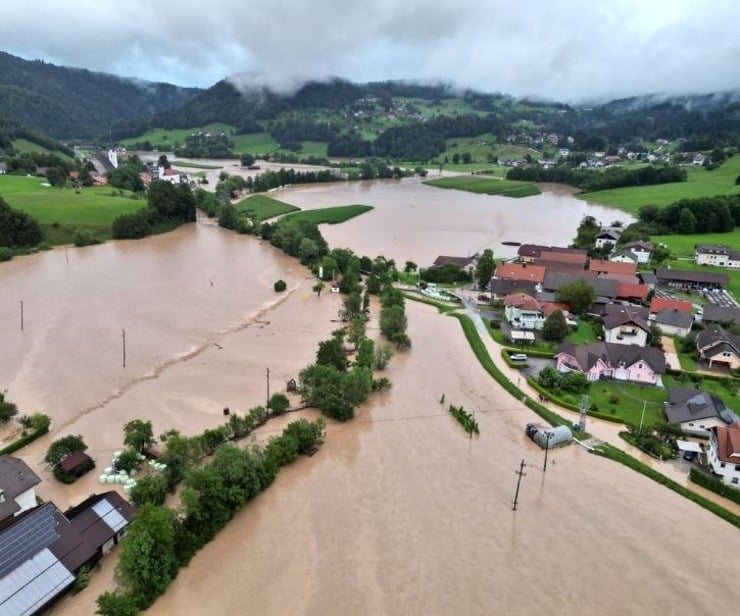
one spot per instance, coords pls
(570, 50)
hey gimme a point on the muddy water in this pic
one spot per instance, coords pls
(399, 513)
(412, 221)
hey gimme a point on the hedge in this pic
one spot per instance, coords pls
(570, 406)
(441, 308)
(715, 485)
(22, 442)
(608, 451)
(532, 352)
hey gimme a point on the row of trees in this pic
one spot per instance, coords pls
(161, 540)
(17, 229)
(718, 214)
(592, 179)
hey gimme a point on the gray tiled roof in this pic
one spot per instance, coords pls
(687, 404)
(719, 313)
(15, 478)
(674, 317)
(614, 354)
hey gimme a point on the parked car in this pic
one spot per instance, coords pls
(689, 455)
(518, 357)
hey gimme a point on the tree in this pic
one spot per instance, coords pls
(247, 160)
(575, 382)
(365, 353)
(579, 295)
(392, 321)
(383, 354)
(63, 447)
(549, 378)
(484, 269)
(587, 232)
(8, 410)
(149, 490)
(318, 288)
(148, 562)
(279, 286)
(352, 306)
(331, 353)
(410, 267)
(356, 330)
(128, 460)
(686, 222)
(116, 604)
(555, 327)
(655, 336)
(278, 403)
(163, 162)
(138, 434)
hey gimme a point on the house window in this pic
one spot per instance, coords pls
(722, 465)
(639, 366)
(734, 480)
(737, 467)
(692, 425)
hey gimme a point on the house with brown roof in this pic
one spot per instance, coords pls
(720, 314)
(632, 291)
(641, 249)
(626, 327)
(612, 267)
(501, 287)
(604, 360)
(716, 254)
(724, 453)
(17, 488)
(719, 347)
(529, 253)
(461, 262)
(520, 271)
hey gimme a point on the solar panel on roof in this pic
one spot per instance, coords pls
(32, 584)
(109, 515)
(26, 537)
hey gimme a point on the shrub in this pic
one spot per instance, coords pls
(128, 460)
(82, 580)
(278, 403)
(6, 254)
(614, 399)
(280, 286)
(83, 237)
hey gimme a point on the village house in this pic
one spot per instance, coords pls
(720, 314)
(626, 327)
(718, 347)
(612, 268)
(632, 292)
(43, 549)
(529, 253)
(608, 235)
(716, 254)
(604, 360)
(523, 311)
(641, 249)
(696, 411)
(520, 271)
(625, 256)
(689, 280)
(501, 287)
(661, 303)
(724, 453)
(17, 488)
(673, 322)
(461, 262)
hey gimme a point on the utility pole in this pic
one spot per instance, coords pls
(582, 414)
(123, 338)
(642, 416)
(521, 474)
(547, 448)
(267, 404)
(21, 315)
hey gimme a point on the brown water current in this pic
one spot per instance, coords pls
(399, 512)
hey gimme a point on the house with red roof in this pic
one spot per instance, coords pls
(632, 291)
(612, 267)
(724, 452)
(523, 311)
(661, 303)
(520, 271)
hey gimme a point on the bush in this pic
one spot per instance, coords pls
(280, 286)
(149, 490)
(6, 254)
(82, 580)
(128, 460)
(83, 237)
(278, 403)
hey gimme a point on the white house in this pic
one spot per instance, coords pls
(724, 452)
(673, 322)
(697, 411)
(523, 311)
(113, 158)
(716, 254)
(624, 256)
(625, 327)
(641, 249)
(608, 235)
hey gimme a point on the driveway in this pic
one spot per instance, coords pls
(671, 356)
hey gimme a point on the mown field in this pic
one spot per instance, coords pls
(700, 183)
(487, 186)
(331, 215)
(61, 211)
(262, 207)
(171, 137)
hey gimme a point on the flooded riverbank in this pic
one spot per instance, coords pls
(399, 512)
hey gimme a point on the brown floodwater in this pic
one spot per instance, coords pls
(399, 512)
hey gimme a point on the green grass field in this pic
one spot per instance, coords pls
(584, 334)
(628, 407)
(262, 207)
(700, 183)
(331, 215)
(488, 186)
(183, 163)
(255, 143)
(61, 211)
(23, 145)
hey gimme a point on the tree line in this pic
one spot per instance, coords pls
(590, 180)
(718, 214)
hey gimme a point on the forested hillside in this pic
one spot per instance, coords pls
(70, 103)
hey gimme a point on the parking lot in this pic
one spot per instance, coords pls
(718, 297)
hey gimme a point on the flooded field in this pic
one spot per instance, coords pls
(399, 512)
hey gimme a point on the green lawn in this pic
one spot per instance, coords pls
(255, 143)
(486, 185)
(61, 211)
(700, 183)
(24, 145)
(262, 207)
(627, 405)
(584, 334)
(183, 163)
(331, 215)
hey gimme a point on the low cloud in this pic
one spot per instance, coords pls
(584, 50)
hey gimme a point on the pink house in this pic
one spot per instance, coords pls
(612, 361)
